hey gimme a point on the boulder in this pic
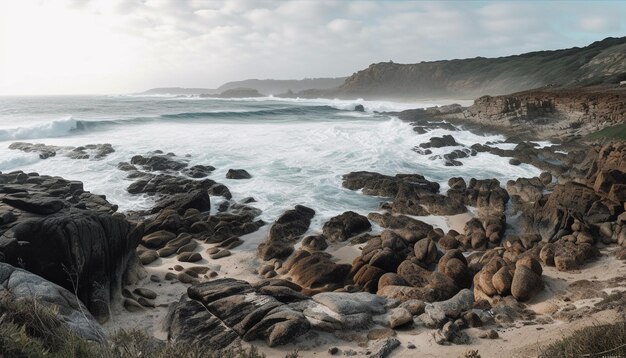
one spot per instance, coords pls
(158, 239)
(345, 226)
(198, 171)
(250, 311)
(238, 174)
(451, 333)
(384, 348)
(282, 235)
(197, 199)
(315, 243)
(188, 321)
(526, 283)
(454, 265)
(399, 317)
(22, 286)
(316, 270)
(426, 251)
(345, 303)
(83, 247)
(439, 142)
(528, 190)
(453, 307)
(502, 281)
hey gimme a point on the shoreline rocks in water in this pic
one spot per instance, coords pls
(89, 151)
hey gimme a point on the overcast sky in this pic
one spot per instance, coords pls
(121, 46)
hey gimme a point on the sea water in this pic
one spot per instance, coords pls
(295, 149)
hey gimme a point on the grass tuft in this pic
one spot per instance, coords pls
(595, 341)
(613, 132)
(31, 330)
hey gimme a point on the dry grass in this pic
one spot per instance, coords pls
(30, 330)
(594, 341)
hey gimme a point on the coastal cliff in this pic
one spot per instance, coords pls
(600, 62)
(543, 113)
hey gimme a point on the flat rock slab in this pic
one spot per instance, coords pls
(351, 303)
(253, 313)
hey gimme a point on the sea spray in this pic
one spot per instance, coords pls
(296, 155)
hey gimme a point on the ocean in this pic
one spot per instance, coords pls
(296, 150)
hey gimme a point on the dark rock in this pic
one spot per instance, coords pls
(526, 283)
(315, 270)
(282, 235)
(36, 205)
(345, 226)
(385, 348)
(158, 239)
(315, 243)
(81, 247)
(238, 174)
(188, 321)
(198, 171)
(158, 162)
(450, 333)
(198, 199)
(438, 142)
(144, 292)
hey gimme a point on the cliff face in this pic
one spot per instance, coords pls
(549, 113)
(601, 62)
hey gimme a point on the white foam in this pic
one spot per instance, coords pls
(342, 104)
(293, 162)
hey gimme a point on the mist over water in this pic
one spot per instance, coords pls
(296, 150)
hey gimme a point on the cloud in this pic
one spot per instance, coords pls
(133, 44)
(600, 23)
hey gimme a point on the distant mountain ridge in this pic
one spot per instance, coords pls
(179, 91)
(601, 62)
(265, 87)
(276, 87)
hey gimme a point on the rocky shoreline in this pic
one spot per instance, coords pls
(547, 114)
(178, 270)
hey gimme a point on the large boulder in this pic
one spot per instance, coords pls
(284, 232)
(345, 226)
(553, 218)
(238, 174)
(487, 195)
(23, 287)
(83, 247)
(159, 162)
(196, 199)
(526, 283)
(250, 312)
(315, 270)
(188, 321)
(438, 142)
(528, 190)
(437, 313)
(384, 185)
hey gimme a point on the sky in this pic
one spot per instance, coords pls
(124, 46)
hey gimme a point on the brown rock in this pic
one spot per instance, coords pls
(526, 283)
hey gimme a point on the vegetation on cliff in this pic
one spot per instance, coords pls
(599, 63)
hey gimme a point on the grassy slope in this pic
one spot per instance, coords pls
(601, 62)
(614, 132)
